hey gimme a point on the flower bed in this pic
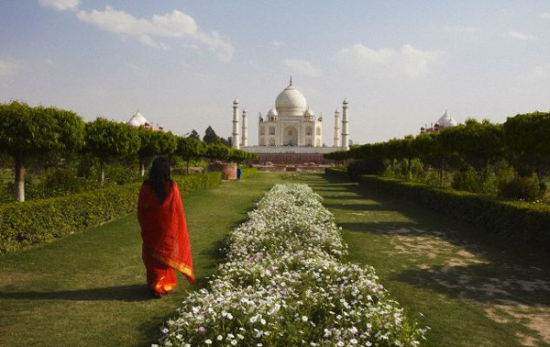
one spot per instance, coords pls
(284, 284)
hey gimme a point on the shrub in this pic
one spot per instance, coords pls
(524, 220)
(522, 188)
(247, 172)
(368, 166)
(37, 221)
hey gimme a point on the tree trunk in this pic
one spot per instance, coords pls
(19, 180)
(188, 165)
(102, 173)
(141, 168)
(409, 173)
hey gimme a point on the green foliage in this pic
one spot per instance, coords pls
(218, 151)
(522, 188)
(190, 148)
(367, 166)
(38, 221)
(527, 140)
(39, 131)
(518, 219)
(468, 179)
(210, 136)
(194, 134)
(248, 172)
(156, 143)
(107, 139)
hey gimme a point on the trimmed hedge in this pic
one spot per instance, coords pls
(527, 221)
(337, 172)
(249, 171)
(524, 220)
(33, 222)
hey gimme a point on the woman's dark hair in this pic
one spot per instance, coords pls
(159, 177)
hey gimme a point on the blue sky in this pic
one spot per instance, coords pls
(400, 64)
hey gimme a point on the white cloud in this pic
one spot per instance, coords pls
(175, 25)
(521, 36)
(278, 43)
(545, 15)
(60, 5)
(459, 29)
(409, 61)
(7, 68)
(303, 67)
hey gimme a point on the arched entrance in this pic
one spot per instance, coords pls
(290, 136)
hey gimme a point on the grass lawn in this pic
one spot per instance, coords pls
(473, 288)
(89, 288)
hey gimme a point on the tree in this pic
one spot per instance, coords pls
(477, 143)
(107, 140)
(527, 141)
(218, 151)
(37, 132)
(195, 134)
(210, 136)
(154, 143)
(190, 148)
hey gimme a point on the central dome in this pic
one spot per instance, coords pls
(291, 102)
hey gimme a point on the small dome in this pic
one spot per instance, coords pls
(309, 113)
(137, 120)
(446, 121)
(236, 101)
(272, 112)
(291, 102)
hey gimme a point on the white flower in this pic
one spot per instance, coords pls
(304, 318)
(220, 337)
(208, 342)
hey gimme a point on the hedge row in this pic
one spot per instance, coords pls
(37, 221)
(247, 172)
(524, 220)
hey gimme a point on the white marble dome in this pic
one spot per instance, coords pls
(137, 120)
(446, 121)
(272, 112)
(291, 102)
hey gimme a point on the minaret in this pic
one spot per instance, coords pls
(235, 136)
(337, 141)
(244, 142)
(345, 125)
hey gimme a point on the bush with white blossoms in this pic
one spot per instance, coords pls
(284, 285)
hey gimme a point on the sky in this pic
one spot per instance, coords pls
(181, 63)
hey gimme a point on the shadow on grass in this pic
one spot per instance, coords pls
(128, 293)
(357, 207)
(401, 228)
(486, 283)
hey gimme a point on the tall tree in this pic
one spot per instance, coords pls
(154, 143)
(477, 143)
(210, 136)
(195, 134)
(527, 141)
(107, 140)
(37, 132)
(190, 148)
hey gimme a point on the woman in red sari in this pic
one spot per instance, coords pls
(164, 232)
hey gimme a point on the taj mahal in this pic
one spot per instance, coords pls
(291, 126)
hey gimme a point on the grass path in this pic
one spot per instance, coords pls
(474, 289)
(88, 289)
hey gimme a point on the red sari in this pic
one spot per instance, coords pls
(165, 237)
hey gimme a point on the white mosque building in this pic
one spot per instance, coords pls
(445, 121)
(291, 126)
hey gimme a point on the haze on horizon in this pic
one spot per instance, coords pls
(181, 63)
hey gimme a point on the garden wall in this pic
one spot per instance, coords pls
(37, 221)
